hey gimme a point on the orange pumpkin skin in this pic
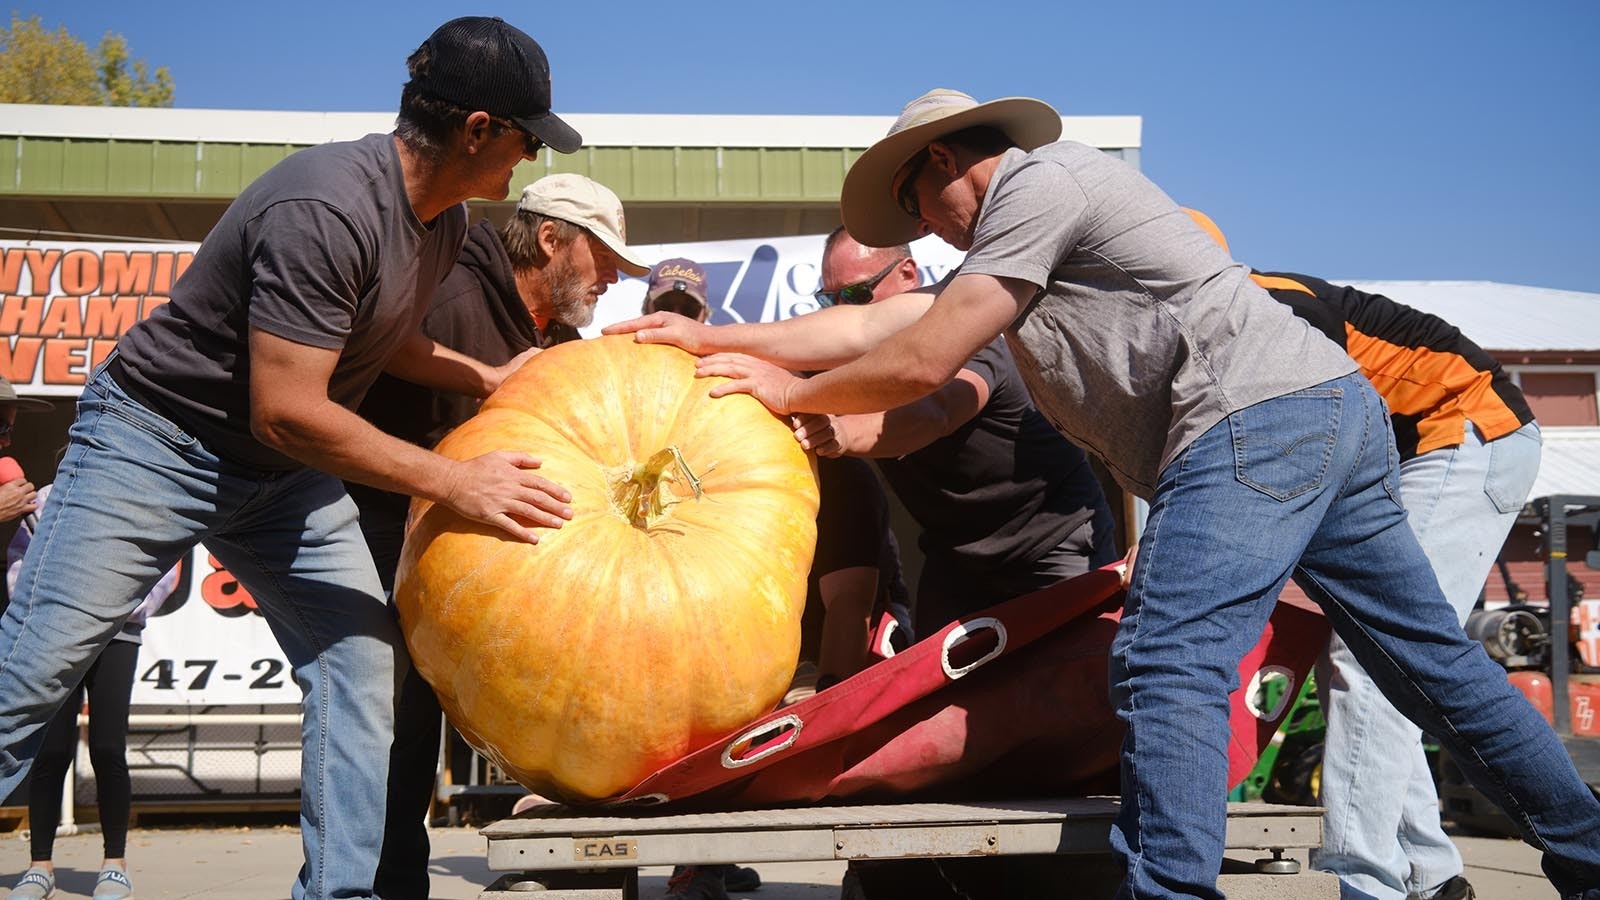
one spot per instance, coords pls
(651, 623)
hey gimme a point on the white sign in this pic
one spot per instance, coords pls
(63, 306)
(210, 646)
(757, 280)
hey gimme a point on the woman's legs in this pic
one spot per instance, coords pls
(49, 774)
(110, 686)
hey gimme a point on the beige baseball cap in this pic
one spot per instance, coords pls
(587, 203)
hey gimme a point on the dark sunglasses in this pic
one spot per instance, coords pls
(906, 197)
(531, 145)
(677, 302)
(5, 428)
(857, 294)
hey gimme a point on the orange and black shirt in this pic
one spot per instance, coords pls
(1434, 379)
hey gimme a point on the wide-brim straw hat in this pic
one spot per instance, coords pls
(8, 397)
(867, 202)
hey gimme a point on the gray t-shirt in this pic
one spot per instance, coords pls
(324, 250)
(1144, 333)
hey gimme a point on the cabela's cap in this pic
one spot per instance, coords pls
(677, 276)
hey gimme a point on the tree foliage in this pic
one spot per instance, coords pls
(40, 66)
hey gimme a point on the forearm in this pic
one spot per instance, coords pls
(905, 429)
(848, 596)
(424, 361)
(920, 357)
(821, 340)
(326, 436)
(893, 375)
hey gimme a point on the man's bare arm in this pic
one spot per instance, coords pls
(422, 360)
(910, 364)
(820, 340)
(904, 429)
(847, 598)
(290, 412)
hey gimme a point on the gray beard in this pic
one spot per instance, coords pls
(569, 296)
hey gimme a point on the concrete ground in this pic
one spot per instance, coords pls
(258, 863)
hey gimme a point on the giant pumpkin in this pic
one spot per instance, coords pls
(663, 615)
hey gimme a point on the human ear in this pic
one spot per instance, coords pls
(943, 158)
(546, 238)
(476, 131)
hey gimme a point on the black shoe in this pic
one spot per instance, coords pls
(1457, 888)
(696, 883)
(741, 879)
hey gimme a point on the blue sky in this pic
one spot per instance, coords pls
(1356, 140)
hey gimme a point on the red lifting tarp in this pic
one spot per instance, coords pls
(1009, 701)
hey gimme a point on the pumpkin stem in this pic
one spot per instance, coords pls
(640, 496)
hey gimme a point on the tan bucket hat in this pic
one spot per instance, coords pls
(867, 202)
(587, 203)
(8, 397)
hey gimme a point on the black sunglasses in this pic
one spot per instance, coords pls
(857, 294)
(678, 302)
(531, 145)
(906, 197)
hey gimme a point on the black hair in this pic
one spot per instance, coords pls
(425, 123)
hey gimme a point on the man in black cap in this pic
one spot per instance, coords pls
(227, 418)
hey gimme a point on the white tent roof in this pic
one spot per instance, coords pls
(598, 129)
(1503, 316)
(1570, 463)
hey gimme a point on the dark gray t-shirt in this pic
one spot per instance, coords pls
(324, 250)
(1144, 333)
(1003, 489)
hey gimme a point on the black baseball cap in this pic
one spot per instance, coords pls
(483, 63)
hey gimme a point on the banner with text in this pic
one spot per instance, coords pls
(63, 306)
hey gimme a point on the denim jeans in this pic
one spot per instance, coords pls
(1306, 484)
(414, 756)
(1381, 834)
(133, 494)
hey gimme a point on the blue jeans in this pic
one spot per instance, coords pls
(1306, 484)
(133, 494)
(1381, 834)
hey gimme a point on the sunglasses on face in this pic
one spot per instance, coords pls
(682, 304)
(906, 197)
(856, 294)
(531, 145)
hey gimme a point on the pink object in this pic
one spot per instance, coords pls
(9, 470)
(1008, 701)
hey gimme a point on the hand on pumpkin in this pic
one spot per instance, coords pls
(820, 433)
(501, 489)
(511, 366)
(664, 328)
(761, 380)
